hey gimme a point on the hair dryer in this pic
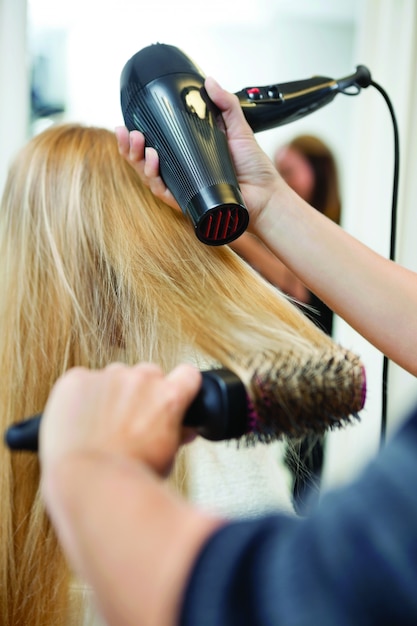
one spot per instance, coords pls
(163, 96)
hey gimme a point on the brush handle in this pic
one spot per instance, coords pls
(218, 412)
(24, 435)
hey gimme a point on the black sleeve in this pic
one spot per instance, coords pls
(353, 562)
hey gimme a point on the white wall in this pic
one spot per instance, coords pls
(269, 41)
(263, 42)
(14, 86)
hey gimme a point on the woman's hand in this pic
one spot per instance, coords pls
(133, 412)
(256, 173)
(257, 176)
(106, 437)
(145, 161)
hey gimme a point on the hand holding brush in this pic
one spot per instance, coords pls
(284, 396)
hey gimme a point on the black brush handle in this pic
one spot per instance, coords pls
(218, 412)
(24, 435)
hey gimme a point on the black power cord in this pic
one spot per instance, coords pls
(392, 250)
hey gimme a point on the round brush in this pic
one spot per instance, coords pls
(296, 396)
(286, 395)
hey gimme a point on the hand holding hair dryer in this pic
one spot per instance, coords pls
(163, 96)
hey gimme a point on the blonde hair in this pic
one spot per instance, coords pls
(94, 268)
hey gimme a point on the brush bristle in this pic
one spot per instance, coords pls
(294, 398)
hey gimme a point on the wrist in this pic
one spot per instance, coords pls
(268, 223)
(125, 534)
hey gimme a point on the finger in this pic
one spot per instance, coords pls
(187, 377)
(187, 381)
(123, 142)
(151, 169)
(69, 383)
(65, 400)
(137, 146)
(115, 365)
(152, 175)
(229, 105)
(216, 93)
(146, 368)
(154, 180)
(145, 161)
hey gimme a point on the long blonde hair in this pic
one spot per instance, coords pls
(94, 268)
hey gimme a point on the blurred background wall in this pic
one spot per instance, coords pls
(61, 60)
(14, 80)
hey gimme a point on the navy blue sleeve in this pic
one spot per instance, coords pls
(353, 562)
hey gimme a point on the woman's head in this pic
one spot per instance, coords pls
(99, 269)
(93, 268)
(309, 167)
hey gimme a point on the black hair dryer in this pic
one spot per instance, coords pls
(163, 96)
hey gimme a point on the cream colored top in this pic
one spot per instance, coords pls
(239, 481)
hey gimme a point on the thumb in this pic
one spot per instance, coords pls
(187, 380)
(229, 105)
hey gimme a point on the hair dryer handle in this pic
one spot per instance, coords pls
(274, 105)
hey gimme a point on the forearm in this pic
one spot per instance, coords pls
(352, 561)
(371, 293)
(100, 505)
(269, 266)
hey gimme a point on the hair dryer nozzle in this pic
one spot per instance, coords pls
(163, 96)
(223, 223)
